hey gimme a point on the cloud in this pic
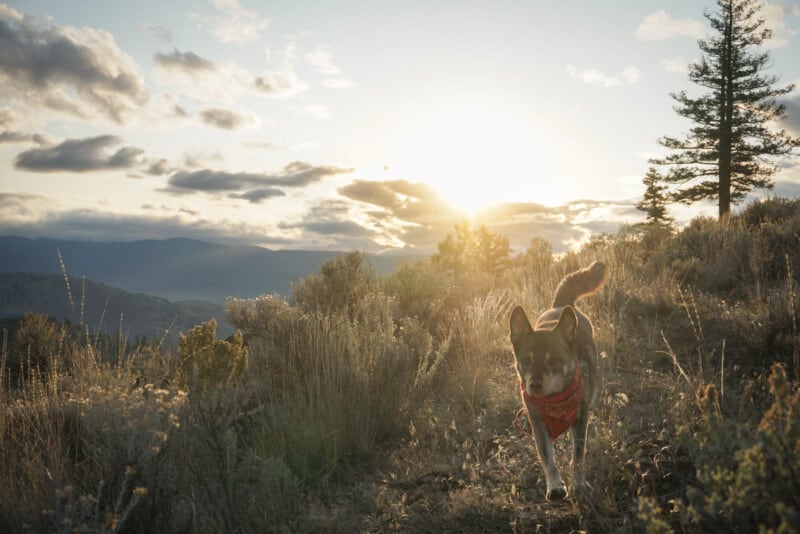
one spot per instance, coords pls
(94, 225)
(207, 180)
(592, 76)
(407, 214)
(6, 117)
(411, 202)
(631, 74)
(255, 196)
(330, 224)
(7, 121)
(675, 64)
(659, 26)
(277, 83)
(188, 62)
(156, 32)
(165, 105)
(248, 185)
(233, 23)
(224, 119)
(791, 120)
(282, 81)
(318, 111)
(159, 167)
(775, 16)
(14, 137)
(403, 213)
(299, 174)
(198, 78)
(336, 224)
(565, 226)
(198, 160)
(79, 155)
(77, 71)
(203, 80)
(321, 60)
(15, 207)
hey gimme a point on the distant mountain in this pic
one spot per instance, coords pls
(105, 309)
(176, 269)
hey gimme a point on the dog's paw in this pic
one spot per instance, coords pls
(556, 494)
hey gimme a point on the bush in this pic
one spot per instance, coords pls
(773, 210)
(338, 288)
(206, 362)
(331, 387)
(37, 345)
(747, 481)
(420, 292)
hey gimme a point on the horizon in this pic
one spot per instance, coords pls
(342, 128)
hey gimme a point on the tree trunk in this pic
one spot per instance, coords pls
(724, 176)
(726, 120)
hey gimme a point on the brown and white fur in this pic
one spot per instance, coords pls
(546, 355)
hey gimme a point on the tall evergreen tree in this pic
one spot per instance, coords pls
(654, 202)
(731, 148)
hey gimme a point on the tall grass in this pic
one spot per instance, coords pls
(377, 404)
(330, 388)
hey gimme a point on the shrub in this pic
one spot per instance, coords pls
(420, 292)
(339, 287)
(37, 344)
(773, 210)
(479, 342)
(206, 362)
(331, 387)
(748, 481)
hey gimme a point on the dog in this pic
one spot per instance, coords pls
(556, 360)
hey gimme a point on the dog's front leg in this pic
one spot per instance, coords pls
(579, 431)
(544, 446)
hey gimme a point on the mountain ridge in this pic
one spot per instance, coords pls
(176, 269)
(103, 308)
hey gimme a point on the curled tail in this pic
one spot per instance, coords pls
(580, 283)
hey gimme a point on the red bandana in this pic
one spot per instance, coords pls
(559, 410)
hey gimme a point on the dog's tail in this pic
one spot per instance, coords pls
(579, 284)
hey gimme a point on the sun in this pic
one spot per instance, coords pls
(476, 156)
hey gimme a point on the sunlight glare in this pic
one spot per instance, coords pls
(477, 156)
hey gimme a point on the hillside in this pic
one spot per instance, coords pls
(390, 404)
(177, 269)
(106, 309)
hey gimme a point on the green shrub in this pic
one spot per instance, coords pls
(748, 480)
(419, 291)
(331, 387)
(206, 362)
(339, 286)
(773, 210)
(37, 344)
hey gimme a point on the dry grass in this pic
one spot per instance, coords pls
(373, 405)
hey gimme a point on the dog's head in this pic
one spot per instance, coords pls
(545, 357)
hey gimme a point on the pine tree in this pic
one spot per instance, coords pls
(731, 148)
(654, 202)
(473, 250)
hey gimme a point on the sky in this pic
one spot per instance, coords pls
(374, 126)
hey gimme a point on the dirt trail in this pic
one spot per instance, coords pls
(457, 481)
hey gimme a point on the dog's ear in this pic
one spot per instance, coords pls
(567, 324)
(519, 325)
